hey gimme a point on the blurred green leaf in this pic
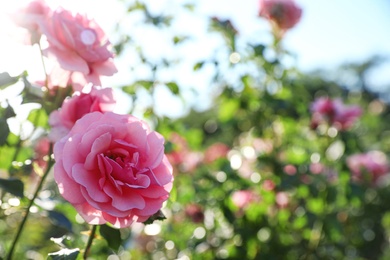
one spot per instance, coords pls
(173, 87)
(228, 109)
(39, 118)
(13, 186)
(112, 236)
(4, 131)
(259, 49)
(316, 205)
(60, 220)
(198, 66)
(6, 80)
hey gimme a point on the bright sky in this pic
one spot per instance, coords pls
(330, 33)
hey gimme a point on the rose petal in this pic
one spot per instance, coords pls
(89, 179)
(101, 144)
(90, 214)
(120, 222)
(156, 150)
(66, 186)
(91, 135)
(129, 200)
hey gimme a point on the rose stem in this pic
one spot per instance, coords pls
(89, 243)
(49, 164)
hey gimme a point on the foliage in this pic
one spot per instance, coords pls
(256, 136)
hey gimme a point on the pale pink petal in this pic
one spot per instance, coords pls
(66, 186)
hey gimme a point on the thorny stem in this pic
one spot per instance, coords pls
(89, 243)
(49, 165)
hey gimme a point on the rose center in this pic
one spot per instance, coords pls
(88, 37)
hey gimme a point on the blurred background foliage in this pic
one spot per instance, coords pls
(253, 178)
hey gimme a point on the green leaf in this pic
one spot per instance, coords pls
(64, 254)
(60, 220)
(228, 109)
(13, 186)
(5, 156)
(173, 87)
(39, 118)
(259, 49)
(198, 65)
(156, 216)
(112, 236)
(4, 131)
(6, 80)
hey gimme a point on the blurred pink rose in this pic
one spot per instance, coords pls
(182, 158)
(112, 168)
(243, 198)
(334, 112)
(195, 213)
(269, 185)
(215, 152)
(368, 166)
(41, 151)
(284, 13)
(282, 199)
(74, 108)
(32, 17)
(80, 46)
(290, 169)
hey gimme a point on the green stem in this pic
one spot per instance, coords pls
(89, 243)
(44, 67)
(49, 165)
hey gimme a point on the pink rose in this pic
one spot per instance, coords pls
(31, 17)
(112, 168)
(282, 199)
(215, 152)
(74, 108)
(334, 112)
(368, 166)
(80, 46)
(243, 198)
(284, 13)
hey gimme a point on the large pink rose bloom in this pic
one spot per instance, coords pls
(334, 112)
(369, 166)
(74, 108)
(284, 13)
(112, 168)
(80, 46)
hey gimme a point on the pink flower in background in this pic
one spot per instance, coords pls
(74, 108)
(41, 150)
(284, 13)
(195, 213)
(269, 185)
(368, 166)
(80, 46)
(215, 152)
(182, 157)
(334, 112)
(31, 17)
(282, 199)
(243, 198)
(112, 168)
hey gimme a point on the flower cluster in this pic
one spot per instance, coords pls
(110, 167)
(334, 112)
(368, 167)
